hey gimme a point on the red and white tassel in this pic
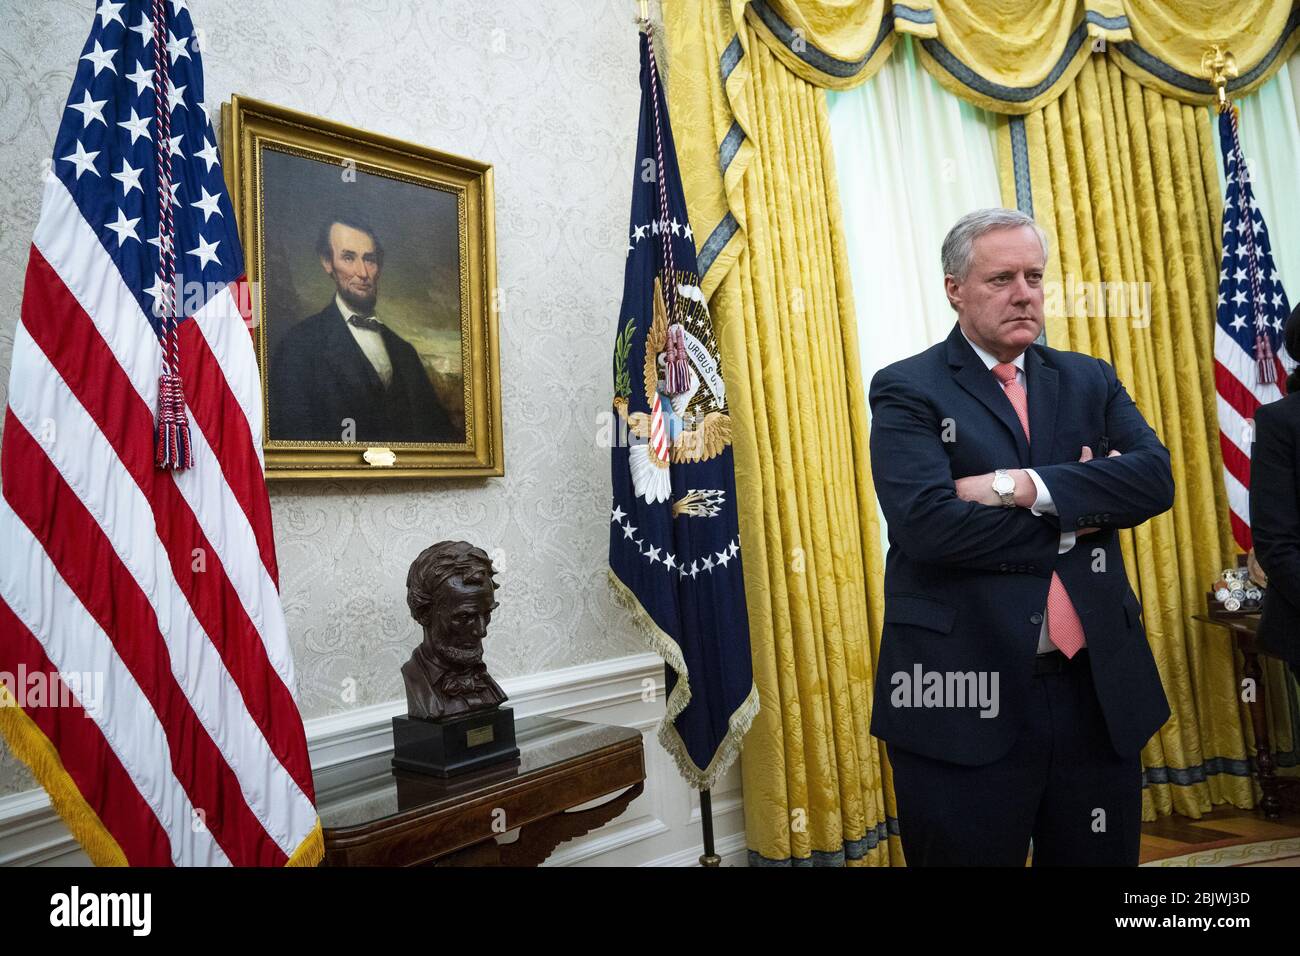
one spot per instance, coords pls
(1264, 360)
(677, 368)
(172, 448)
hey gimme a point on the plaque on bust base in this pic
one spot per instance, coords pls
(454, 745)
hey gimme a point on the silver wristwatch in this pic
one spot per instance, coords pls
(1005, 486)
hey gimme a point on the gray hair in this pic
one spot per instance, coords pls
(959, 244)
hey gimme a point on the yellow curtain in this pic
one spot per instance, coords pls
(813, 781)
(1123, 179)
(1013, 56)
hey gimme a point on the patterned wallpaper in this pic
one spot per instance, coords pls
(546, 91)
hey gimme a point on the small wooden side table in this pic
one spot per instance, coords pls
(390, 817)
(1275, 790)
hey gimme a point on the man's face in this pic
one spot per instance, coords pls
(467, 612)
(1000, 301)
(354, 266)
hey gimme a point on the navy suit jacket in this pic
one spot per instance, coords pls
(1275, 523)
(320, 377)
(966, 584)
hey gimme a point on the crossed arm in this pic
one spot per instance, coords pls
(914, 485)
(929, 519)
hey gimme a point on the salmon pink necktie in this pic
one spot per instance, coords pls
(1064, 629)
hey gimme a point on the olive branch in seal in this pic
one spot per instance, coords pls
(622, 346)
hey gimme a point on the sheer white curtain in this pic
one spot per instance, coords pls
(911, 158)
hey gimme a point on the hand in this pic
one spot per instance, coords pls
(1085, 454)
(979, 489)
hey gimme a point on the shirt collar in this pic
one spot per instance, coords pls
(344, 309)
(990, 360)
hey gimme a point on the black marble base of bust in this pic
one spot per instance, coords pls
(454, 745)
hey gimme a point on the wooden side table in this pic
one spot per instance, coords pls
(390, 817)
(1275, 790)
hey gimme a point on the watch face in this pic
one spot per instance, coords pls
(1004, 484)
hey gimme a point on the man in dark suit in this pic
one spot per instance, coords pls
(1275, 512)
(1015, 688)
(342, 374)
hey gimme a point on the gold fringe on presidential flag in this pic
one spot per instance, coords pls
(738, 723)
(30, 745)
(1123, 179)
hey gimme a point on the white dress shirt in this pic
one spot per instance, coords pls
(371, 342)
(1043, 504)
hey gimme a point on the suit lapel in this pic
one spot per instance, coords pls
(969, 372)
(348, 361)
(1044, 391)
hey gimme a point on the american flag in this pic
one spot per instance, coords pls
(148, 589)
(1249, 361)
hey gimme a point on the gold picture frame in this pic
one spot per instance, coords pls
(305, 191)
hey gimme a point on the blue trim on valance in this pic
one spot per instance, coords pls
(1108, 23)
(1200, 85)
(1009, 94)
(817, 59)
(913, 16)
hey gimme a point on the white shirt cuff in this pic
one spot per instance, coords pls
(1043, 504)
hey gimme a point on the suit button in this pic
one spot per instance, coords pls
(1082, 522)
(1002, 567)
(1105, 517)
(1035, 618)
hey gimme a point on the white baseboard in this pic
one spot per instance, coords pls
(660, 828)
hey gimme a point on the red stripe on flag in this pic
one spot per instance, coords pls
(87, 757)
(74, 346)
(1240, 531)
(223, 423)
(86, 560)
(1234, 391)
(1235, 460)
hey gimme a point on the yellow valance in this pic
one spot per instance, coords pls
(1013, 56)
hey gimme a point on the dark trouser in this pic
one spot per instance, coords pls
(1062, 785)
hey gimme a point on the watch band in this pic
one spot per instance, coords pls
(1008, 498)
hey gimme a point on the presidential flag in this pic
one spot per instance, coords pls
(146, 672)
(1250, 367)
(674, 545)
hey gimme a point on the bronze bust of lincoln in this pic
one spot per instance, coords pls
(450, 592)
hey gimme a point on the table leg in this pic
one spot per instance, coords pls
(1265, 769)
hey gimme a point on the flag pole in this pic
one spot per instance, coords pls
(710, 857)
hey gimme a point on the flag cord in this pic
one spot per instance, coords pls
(1265, 366)
(677, 372)
(172, 448)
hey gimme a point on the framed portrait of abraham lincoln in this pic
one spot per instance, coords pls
(371, 265)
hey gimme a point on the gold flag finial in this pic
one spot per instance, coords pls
(1220, 66)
